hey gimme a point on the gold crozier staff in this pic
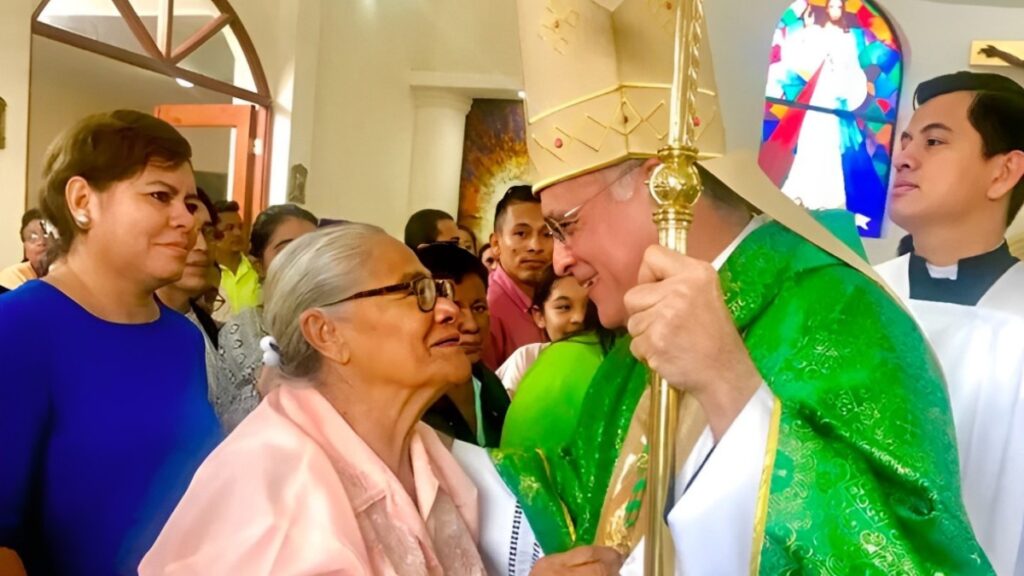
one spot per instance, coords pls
(675, 186)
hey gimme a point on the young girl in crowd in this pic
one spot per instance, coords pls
(549, 380)
(560, 308)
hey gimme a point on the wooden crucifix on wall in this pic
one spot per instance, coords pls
(997, 53)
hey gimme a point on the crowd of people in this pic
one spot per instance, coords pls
(186, 393)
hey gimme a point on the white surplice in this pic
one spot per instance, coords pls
(981, 349)
(712, 521)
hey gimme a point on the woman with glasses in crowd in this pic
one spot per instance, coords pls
(34, 240)
(239, 340)
(103, 404)
(334, 467)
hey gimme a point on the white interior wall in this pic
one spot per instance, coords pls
(364, 108)
(286, 36)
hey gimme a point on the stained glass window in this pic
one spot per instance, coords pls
(830, 109)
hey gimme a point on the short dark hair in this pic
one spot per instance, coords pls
(269, 220)
(104, 149)
(227, 206)
(997, 113)
(519, 194)
(448, 261)
(422, 227)
(204, 198)
(27, 218)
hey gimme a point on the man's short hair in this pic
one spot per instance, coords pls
(226, 207)
(997, 113)
(422, 227)
(448, 261)
(519, 194)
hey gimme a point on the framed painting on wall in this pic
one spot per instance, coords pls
(493, 159)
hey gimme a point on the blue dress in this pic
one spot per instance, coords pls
(102, 426)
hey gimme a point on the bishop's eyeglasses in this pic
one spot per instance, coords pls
(562, 227)
(426, 290)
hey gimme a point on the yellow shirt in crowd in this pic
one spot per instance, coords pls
(241, 289)
(16, 275)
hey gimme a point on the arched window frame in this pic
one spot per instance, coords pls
(161, 56)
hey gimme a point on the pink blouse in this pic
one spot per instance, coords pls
(293, 490)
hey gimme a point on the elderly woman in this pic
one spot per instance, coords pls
(334, 472)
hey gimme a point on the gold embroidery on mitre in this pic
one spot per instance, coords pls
(559, 26)
(597, 75)
(664, 15)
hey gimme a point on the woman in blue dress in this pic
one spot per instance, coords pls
(103, 403)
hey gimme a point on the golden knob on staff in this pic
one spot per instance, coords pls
(675, 186)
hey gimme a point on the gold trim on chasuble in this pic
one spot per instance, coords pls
(565, 509)
(761, 512)
(625, 509)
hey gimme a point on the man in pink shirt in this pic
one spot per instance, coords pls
(522, 244)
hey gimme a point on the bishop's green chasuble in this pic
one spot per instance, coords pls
(862, 472)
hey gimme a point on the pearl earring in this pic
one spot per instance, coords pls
(82, 219)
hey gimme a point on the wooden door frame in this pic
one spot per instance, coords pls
(251, 163)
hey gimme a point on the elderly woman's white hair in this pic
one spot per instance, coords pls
(315, 270)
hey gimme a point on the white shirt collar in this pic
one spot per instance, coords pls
(755, 223)
(944, 272)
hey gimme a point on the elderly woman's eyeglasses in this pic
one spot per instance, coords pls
(426, 290)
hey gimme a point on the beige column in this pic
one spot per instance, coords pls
(438, 132)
